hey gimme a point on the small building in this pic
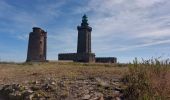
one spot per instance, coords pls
(37, 45)
(106, 60)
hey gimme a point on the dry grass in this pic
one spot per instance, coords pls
(148, 81)
(145, 81)
(10, 73)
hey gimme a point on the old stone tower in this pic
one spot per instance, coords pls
(37, 45)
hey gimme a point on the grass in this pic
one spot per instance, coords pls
(33, 71)
(148, 80)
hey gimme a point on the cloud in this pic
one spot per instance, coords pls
(23, 37)
(142, 45)
(128, 20)
(23, 18)
(148, 3)
(157, 33)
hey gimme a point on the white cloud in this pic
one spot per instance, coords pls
(157, 33)
(128, 24)
(125, 48)
(23, 37)
(148, 3)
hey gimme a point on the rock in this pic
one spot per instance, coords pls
(35, 82)
(118, 89)
(116, 92)
(101, 98)
(53, 83)
(86, 97)
(86, 91)
(95, 98)
(29, 97)
(15, 96)
(98, 94)
(16, 87)
(35, 88)
(64, 89)
(109, 98)
(1, 87)
(102, 83)
(48, 87)
(117, 98)
(27, 92)
(7, 89)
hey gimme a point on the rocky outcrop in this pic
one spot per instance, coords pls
(64, 89)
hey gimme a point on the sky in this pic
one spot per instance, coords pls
(121, 28)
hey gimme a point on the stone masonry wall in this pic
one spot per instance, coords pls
(67, 56)
(81, 57)
(106, 60)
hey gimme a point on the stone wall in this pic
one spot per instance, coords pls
(67, 56)
(106, 60)
(85, 57)
(77, 57)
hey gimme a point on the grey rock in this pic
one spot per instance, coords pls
(117, 98)
(35, 82)
(7, 89)
(28, 92)
(86, 97)
(35, 88)
(1, 87)
(29, 97)
(15, 96)
(53, 83)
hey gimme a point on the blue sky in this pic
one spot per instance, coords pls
(121, 28)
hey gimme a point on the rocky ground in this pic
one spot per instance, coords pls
(81, 87)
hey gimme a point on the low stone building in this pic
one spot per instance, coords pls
(77, 57)
(67, 56)
(106, 60)
(37, 45)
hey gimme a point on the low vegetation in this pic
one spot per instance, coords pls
(61, 81)
(19, 72)
(146, 80)
(149, 80)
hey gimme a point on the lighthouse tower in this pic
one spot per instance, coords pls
(84, 42)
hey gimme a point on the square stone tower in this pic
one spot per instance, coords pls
(84, 42)
(37, 45)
